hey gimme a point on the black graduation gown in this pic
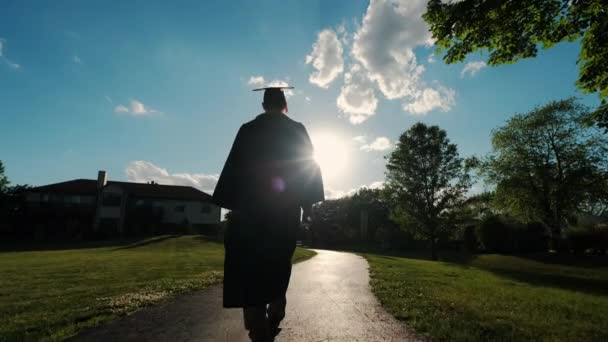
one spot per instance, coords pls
(268, 176)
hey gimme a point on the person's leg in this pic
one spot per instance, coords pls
(276, 313)
(256, 323)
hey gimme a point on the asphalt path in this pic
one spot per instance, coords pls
(329, 299)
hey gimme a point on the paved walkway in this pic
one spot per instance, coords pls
(329, 299)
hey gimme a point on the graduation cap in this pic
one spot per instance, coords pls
(272, 88)
(274, 96)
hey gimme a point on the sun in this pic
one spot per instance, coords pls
(331, 153)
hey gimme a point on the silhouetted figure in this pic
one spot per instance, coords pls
(268, 177)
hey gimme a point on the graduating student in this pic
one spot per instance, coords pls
(269, 176)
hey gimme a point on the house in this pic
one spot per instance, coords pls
(89, 207)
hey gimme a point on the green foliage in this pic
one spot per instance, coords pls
(546, 163)
(3, 180)
(497, 235)
(494, 235)
(471, 241)
(426, 180)
(494, 298)
(512, 30)
(592, 238)
(338, 222)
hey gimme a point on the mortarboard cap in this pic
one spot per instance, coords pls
(274, 95)
(273, 88)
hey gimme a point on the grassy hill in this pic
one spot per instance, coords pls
(495, 297)
(54, 293)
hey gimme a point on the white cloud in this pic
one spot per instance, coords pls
(5, 59)
(142, 171)
(260, 82)
(384, 42)
(121, 109)
(357, 98)
(362, 139)
(136, 108)
(376, 185)
(380, 144)
(13, 65)
(472, 68)
(256, 81)
(431, 58)
(326, 58)
(109, 99)
(307, 98)
(429, 99)
(384, 45)
(336, 194)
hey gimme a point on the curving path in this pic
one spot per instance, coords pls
(329, 299)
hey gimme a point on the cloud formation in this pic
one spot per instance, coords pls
(256, 81)
(384, 43)
(379, 144)
(336, 194)
(357, 98)
(5, 59)
(383, 57)
(141, 171)
(429, 99)
(260, 82)
(135, 108)
(326, 58)
(472, 68)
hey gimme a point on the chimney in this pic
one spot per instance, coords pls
(102, 179)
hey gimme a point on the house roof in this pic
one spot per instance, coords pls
(89, 187)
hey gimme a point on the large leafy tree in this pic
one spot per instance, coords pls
(426, 180)
(3, 180)
(546, 164)
(514, 29)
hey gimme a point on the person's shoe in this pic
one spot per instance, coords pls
(274, 329)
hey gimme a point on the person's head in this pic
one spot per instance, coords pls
(274, 100)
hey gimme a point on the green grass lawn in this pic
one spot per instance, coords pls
(53, 294)
(495, 298)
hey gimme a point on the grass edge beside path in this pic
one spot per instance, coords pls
(493, 298)
(56, 293)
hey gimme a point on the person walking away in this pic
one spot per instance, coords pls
(268, 178)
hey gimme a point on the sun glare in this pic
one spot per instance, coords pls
(331, 153)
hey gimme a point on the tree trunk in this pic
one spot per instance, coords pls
(557, 243)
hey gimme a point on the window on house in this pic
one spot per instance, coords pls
(206, 208)
(180, 208)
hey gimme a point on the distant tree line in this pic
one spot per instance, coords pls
(549, 171)
(11, 202)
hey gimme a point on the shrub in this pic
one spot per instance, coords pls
(532, 237)
(495, 235)
(590, 238)
(499, 235)
(471, 241)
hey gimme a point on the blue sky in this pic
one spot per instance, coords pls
(156, 91)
